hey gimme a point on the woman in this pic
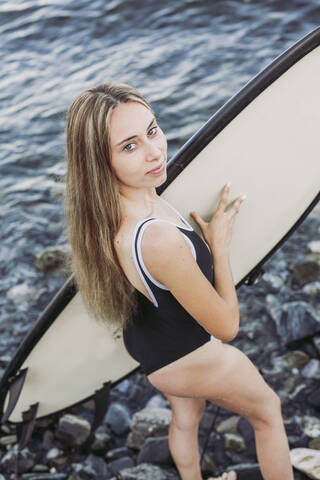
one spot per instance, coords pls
(138, 264)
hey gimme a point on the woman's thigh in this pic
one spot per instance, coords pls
(220, 373)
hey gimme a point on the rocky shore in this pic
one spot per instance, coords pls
(280, 333)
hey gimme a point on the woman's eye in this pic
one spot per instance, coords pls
(153, 131)
(129, 147)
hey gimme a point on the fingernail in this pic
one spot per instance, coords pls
(244, 197)
(229, 184)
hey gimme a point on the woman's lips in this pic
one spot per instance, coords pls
(157, 170)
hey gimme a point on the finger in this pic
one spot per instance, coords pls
(224, 197)
(236, 205)
(198, 219)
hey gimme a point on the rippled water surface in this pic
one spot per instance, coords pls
(187, 58)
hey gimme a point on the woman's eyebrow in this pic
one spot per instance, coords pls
(133, 136)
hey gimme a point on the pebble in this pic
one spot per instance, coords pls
(311, 369)
(72, 429)
(234, 442)
(119, 418)
(306, 460)
(148, 422)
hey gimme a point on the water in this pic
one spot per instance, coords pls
(187, 57)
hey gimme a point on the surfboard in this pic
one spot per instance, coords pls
(265, 141)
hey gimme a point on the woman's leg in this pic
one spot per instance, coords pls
(224, 375)
(183, 436)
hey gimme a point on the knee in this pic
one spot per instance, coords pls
(268, 411)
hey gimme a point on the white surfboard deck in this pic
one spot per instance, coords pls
(270, 151)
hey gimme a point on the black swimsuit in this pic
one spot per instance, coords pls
(163, 331)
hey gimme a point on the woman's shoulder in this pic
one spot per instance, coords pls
(161, 239)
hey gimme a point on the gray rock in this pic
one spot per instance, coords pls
(312, 369)
(44, 476)
(274, 280)
(120, 464)
(123, 386)
(247, 471)
(144, 471)
(102, 441)
(306, 272)
(206, 422)
(315, 443)
(118, 417)
(73, 430)
(310, 426)
(306, 460)
(314, 398)
(53, 453)
(6, 428)
(99, 467)
(316, 342)
(314, 246)
(294, 320)
(312, 289)
(228, 425)
(155, 450)
(48, 439)
(157, 401)
(118, 453)
(234, 442)
(8, 440)
(39, 468)
(26, 460)
(52, 258)
(151, 422)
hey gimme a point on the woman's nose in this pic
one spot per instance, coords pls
(152, 150)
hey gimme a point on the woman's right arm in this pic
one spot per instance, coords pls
(217, 234)
(169, 260)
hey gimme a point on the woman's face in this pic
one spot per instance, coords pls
(138, 146)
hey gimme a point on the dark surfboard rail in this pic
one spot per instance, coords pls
(175, 166)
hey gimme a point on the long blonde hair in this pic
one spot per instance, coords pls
(92, 204)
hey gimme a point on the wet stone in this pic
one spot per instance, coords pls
(234, 442)
(39, 468)
(120, 463)
(102, 441)
(44, 476)
(294, 320)
(305, 272)
(151, 422)
(51, 258)
(118, 453)
(229, 425)
(311, 426)
(73, 430)
(312, 289)
(8, 440)
(144, 471)
(26, 460)
(155, 450)
(118, 417)
(306, 460)
(315, 443)
(98, 466)
(48, 439)
(312, 369)
(314, 399)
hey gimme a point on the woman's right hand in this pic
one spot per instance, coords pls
(217, 233)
